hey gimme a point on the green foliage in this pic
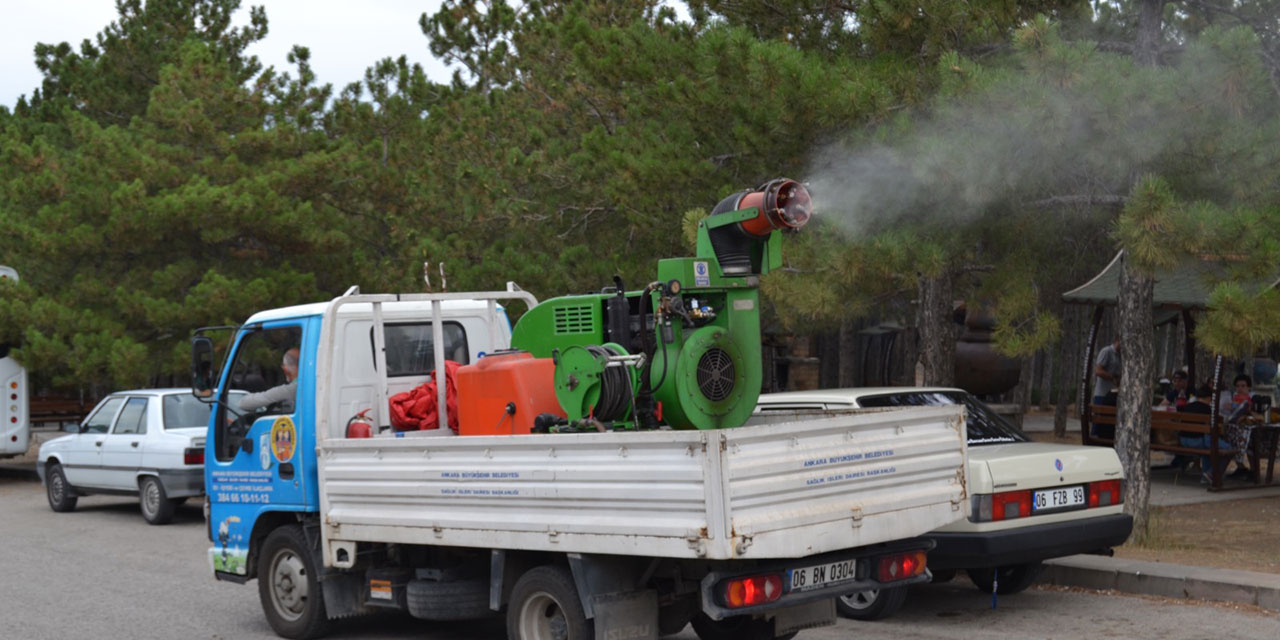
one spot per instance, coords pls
(1241, 320)
(207, 204)
(160, 180)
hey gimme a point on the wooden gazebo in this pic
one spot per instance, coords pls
(1183, 290)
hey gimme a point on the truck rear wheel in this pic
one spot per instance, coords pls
(545, 606)
(289, 585)
(872, 604)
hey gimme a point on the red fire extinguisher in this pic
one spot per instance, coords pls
(359, 426)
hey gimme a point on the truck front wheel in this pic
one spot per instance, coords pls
(545, 606)
(289, 586)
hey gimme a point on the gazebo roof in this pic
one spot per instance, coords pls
(1185, 286)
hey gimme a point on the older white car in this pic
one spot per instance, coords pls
(1029, 501)
(148, 442)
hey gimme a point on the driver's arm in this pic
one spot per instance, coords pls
(282, 393)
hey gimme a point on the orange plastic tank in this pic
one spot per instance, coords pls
(501, 394)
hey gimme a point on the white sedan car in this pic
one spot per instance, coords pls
(148, 443)
(1029, 501)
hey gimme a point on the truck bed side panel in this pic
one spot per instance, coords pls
(755, 491)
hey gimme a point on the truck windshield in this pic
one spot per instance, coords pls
(984, 425)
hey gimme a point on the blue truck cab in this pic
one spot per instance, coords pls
(260, 457)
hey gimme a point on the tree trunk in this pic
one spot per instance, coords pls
(1044, 396)
(1133, 424)
(848, 354)
(828, 360)
(1146, 51)
(1022, 392)
(937, 341)
(1068, 356)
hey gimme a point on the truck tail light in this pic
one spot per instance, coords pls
(994, 507)
(901, 566)
(1105, 493)
(752, 590)
(193, 455)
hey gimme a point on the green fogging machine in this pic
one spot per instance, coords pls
(685, 350)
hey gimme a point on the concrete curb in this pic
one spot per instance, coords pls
(1163, 579)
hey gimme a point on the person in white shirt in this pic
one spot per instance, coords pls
(280, 394)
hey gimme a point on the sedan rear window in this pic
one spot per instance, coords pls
(183, 410)
(984, 425)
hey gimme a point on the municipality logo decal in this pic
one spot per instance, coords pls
(1057, 463)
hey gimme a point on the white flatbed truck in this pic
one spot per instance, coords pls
(747, 532)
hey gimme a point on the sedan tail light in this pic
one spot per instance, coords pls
(1105, 493)
(994, 507)
(193, 455)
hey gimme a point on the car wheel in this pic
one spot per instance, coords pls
(1011, 579)
(545, 606)
(289, 585)
(62, 496)
(872, 604)
(157, 508)
(736, 628)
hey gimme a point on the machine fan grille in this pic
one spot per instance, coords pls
(716, 374)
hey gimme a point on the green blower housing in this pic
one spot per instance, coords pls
(684, 351)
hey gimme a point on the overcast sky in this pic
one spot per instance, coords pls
(345, 37)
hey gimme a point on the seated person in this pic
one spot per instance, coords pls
(1198, 404)
(1178, 396)
(281, 394)
(1239, 406)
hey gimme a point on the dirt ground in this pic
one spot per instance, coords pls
(1234, 534)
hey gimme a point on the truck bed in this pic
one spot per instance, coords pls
(781, 490)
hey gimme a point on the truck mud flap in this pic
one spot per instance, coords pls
(630, 615)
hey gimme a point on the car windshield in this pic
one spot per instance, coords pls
(984, 425)
(183, 410)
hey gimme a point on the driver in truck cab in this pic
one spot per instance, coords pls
(280, 394)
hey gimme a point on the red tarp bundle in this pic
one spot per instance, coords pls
(416, 410)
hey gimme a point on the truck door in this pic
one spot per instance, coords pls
(255, 464)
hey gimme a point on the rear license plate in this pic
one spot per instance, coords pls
(1062, 498)
(821, 575)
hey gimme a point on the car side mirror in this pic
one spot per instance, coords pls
(73, 427)
(201, 364)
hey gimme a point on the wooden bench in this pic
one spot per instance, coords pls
(1165, 429)
(44, 410)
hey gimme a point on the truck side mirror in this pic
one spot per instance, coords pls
(201, 365)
